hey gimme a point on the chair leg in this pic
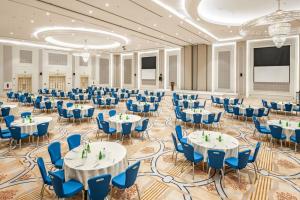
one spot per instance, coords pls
(209, 172)
(193, 171)
(255, 170)
(238, 172)
(137, 189)
(42, 191)
(223, 176)
(176, 158)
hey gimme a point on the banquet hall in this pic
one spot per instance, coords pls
(149, 99)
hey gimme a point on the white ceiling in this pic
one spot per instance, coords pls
(148, 24)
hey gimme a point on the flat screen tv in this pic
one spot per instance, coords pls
(149, 62)
(272, 56)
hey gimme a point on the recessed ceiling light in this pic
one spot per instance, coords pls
(230, 31)
(106, 4)
(198, 19)
(90, 12)
(47, 13)
(176, 33)
(11, 33)
(154, 24)
(32, 21)
(170, 16)
(181, 22)
(73, 20)
(139, 28)
(190, 40)
(73, 34)
(200, 32)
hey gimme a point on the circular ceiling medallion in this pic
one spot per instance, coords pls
(81, 38)
(235, 13)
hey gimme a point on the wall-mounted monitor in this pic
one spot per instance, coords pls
(271, 65)
(148, 68)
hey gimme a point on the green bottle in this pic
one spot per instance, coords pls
(100, 155)
(206, 138)
(287, 123)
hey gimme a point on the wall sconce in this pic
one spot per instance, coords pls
(160, 78)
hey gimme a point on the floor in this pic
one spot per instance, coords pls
(159, 178)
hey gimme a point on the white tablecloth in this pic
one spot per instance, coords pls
(113, 100)
(281, 105)
(30, 128)
(83, 108)
(81, 169)
(14, 110)
(85, 96)
(116, 121)
(228, 144)
(191, 112)
(180, 96)
(231, 100)
(288, 129)
(149, 97)
(53, 102)
(140, 105)
(190, 102)
(243, 109)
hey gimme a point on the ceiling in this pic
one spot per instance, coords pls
(147, 24)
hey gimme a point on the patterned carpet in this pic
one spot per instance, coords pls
(159, 177)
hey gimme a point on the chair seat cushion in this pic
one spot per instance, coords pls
(251, 159)
(293, 138)
(71, 188)
(24, 135)
(282, 137)
(198, 157)
(5, 135)
(59, 163)
(179, 147)
(232, 162)
(139, 128)
(264, 130)
(5, 131)
(206, 122)
(112, 130)
(119, 181)
(183, 140)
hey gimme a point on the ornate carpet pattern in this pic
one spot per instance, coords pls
(159, 178)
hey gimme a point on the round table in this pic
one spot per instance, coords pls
(149, 97)
(81, 169)
(83, 108)
(14, 110)
(231, 100)
(53, 102)
(85, 96)
(288, 127)
(281, 105)
(190, 102)
(228, 144)
(117, 120)
(140, 104)
(192, 111)
(243, 108)
(31, 127)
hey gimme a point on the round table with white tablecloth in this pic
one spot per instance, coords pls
(281, 105)
(242, 108)
(231, 100)
(14, 110)
(288, 127)
(226, 143)
(140, 104)
(114, 161)
(85, 96)
(117, 120)
(31, 127)
(192, 111)
(190, 102)
(53, 102)
(83, 108)
(148, 98)
(113, 100)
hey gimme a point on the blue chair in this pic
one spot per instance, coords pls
(296, 109)
(249, 113)
(213, 101)
(90, 113)
(177, 147)
(48, 106)
(146, 109)
(126, 130)
(184, 118)
(260, 113)
(42, 130)
(74, 141)
(8, 120)
(277, 133)
(108, 130)
(155, 109)
(108, 102)
(210, 120)
(252, 158)
(25, 114)
(45, 177)
(240, 162)
(228, 110)
(81, 98)
(266, 113)
(5, 111)
(77, 115)
(196, 104)
(135, 108)
(274, 107)
(185, 104)
(64, 189)
(54, 150)
(112, 113)
(177, 114)
(59, 104)
(216, 161)
(261, 129)
(129, 107)
(143, 129)
(236, 112)
(295, 138)
(288, 108)
(191, 155)
(5, 133)
(69, 104)
(17, 135)
(197, 119)
(202, 105)
(217, 120)
(179, 134)
(127, 179)
(65, 114)
(99, 187)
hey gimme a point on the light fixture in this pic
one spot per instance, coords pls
(106, 4)
(90, 12)
(32, 21)
(73, 20)
(154, 24)
(11, 33)
(278, 23)
(47, 13)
